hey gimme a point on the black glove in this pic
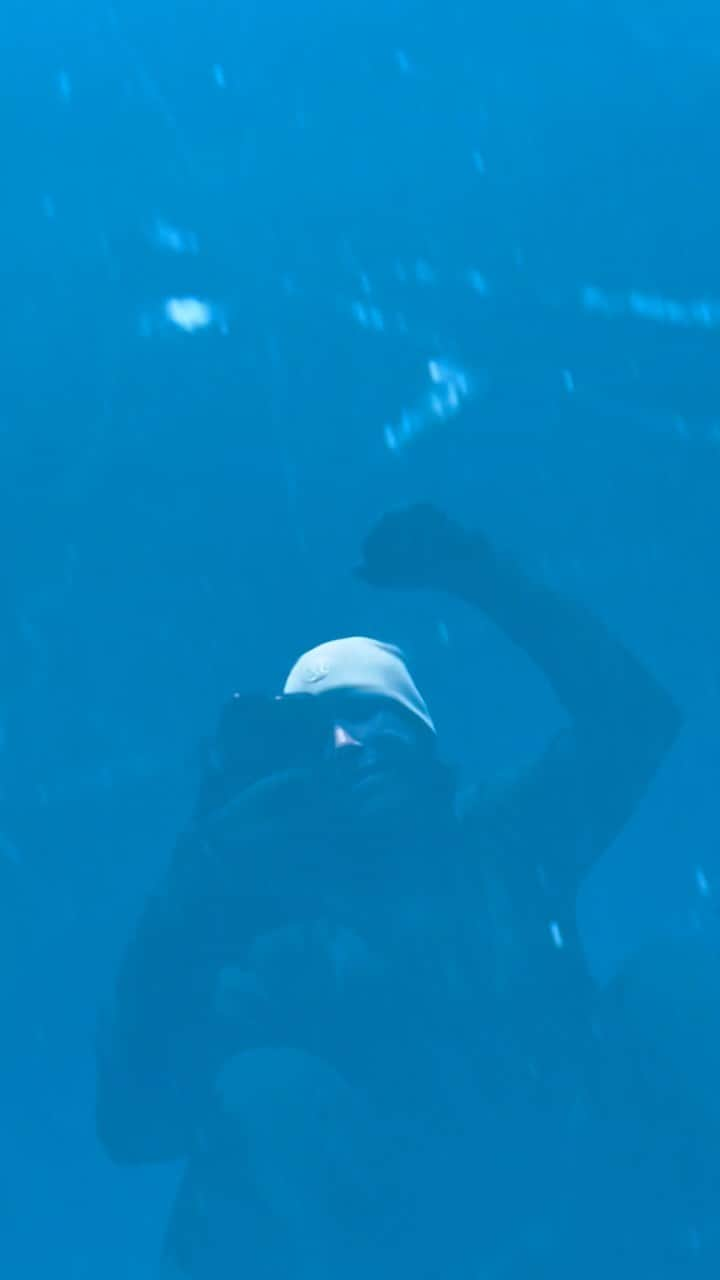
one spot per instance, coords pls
(258, 736)
(418, 546)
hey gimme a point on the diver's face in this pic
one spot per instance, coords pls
(375, 754)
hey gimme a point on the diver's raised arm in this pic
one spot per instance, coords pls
(622, 721)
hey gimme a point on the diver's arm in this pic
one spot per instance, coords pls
(594, 676)
(142, 1110)
(157, 1050)
(138, 1120)
(622, 721)
(160, 1038)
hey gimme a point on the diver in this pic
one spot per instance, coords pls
(357, 1004)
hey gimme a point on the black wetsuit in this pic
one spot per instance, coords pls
(252, 942)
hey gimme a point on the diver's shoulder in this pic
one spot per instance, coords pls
(483, 802)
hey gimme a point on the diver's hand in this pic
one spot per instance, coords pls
(277, 800)
(263, 837)
(302, 980)
(313, 961)
(415, 547)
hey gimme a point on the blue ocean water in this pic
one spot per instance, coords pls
(269, 271)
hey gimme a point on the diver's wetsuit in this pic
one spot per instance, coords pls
(263, 997)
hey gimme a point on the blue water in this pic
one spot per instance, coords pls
(265, 274)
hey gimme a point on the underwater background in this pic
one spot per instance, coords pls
(268, 271)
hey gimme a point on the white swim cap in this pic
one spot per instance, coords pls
(359, 664)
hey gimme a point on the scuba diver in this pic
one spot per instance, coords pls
(356, 1006)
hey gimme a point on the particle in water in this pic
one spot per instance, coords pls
(173, 239)
(9, 850)
(556, 935)
(219, 76)
(442, 401)
(64, 86)
(424, 273)
(189, 314)
(478, 283)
